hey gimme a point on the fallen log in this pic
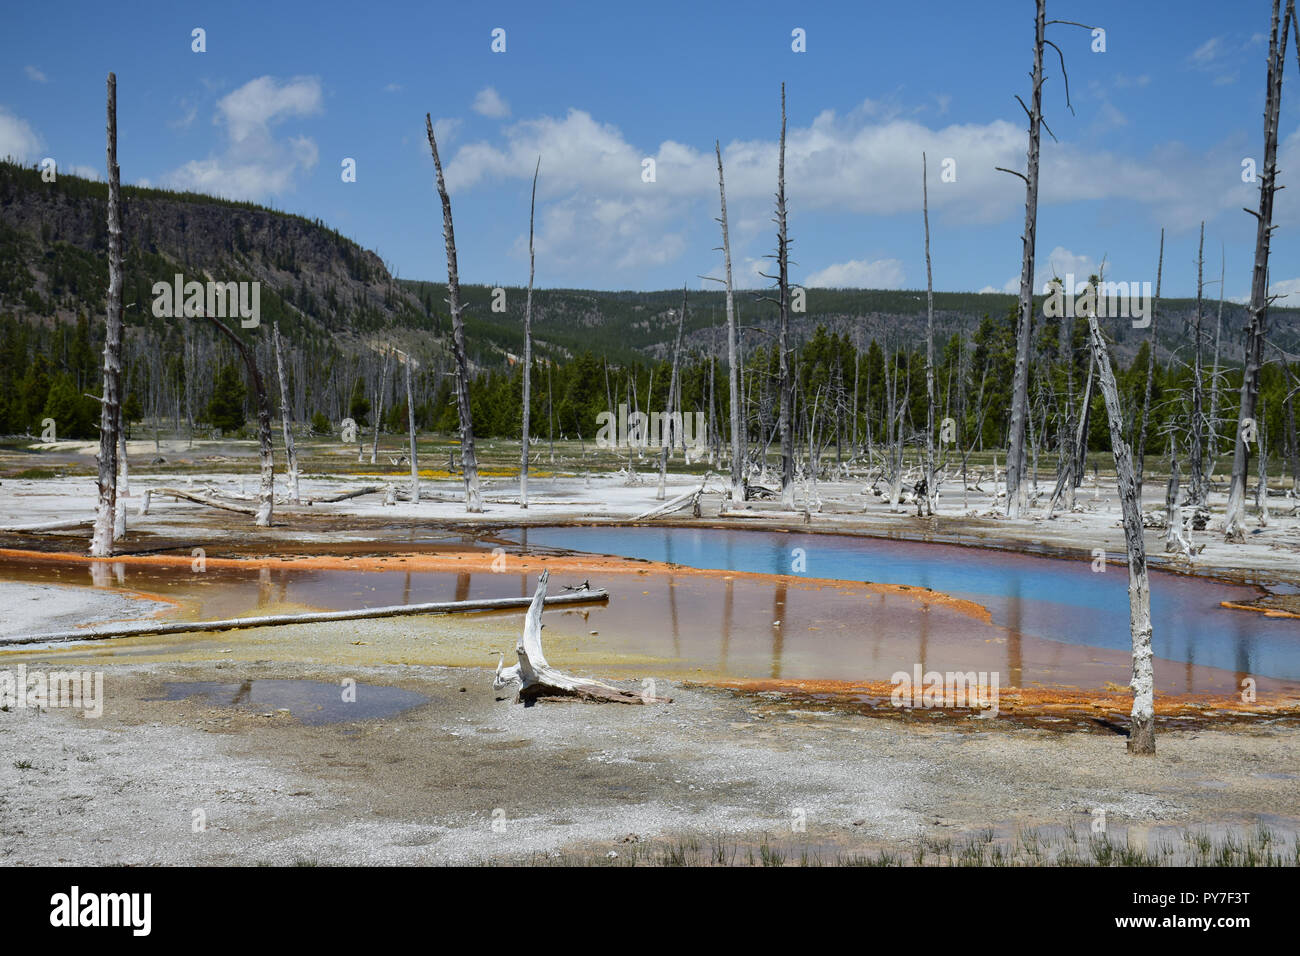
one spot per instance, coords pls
(49, 526)
(311, 617)
(677, 504)
(205, 500)
(538, 679)
(345, 495)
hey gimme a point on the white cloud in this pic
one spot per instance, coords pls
(1289, 288)
(35, 75)
(1208, 51)
(489, 103)
(1056, 264)
(255, 163)
(865, 162)
(393, 88)
(859, 274)
(85, 172)
(17, 138)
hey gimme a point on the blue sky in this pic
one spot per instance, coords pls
(286, 91)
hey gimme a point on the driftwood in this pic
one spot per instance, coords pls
(681, 501)
(312, 617)
(538, 679)
(205, 500)
(345, 495)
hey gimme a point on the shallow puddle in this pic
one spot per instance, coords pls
(309, 701)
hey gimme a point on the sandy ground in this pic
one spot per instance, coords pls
(427, 785)
(32, 608)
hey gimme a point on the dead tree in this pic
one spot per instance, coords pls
(1016, 458)
(785, 383)
(266, 492)
(537, 679)
(1212, 447)
(930, 490)
(409, 362)
(528, 349)
(290, 452)
(379, 402)
(733, 373)
(674, 426)
(1196, 451)
(469, 461)
(1257, 321)
(1261, 460)
(101, 541)
(1151, 370)
(1142, 732)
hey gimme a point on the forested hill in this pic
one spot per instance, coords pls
(627, 325)
(330, 294)
(54, 254)
(339, 308)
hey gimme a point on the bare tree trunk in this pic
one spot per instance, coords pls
(1196, 453)
(410, 425)
(930, 490)
(737, 476)
(1016, 492)
(1212, 448)
(528, 350)
(379, 403)
(123, 479)
(785, 382)
(290, 452)
(266, 491)
(101, 541)
(1257, 323)
(672, 394)
(469, 461)
(1173, 512)
(1142, 733)
(1140, 451)
(1261, 484)
(737, 436)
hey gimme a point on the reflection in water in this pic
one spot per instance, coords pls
(778, 626)
(1055, 600)
(1015, 619)
(1052, 623)
(728, 606)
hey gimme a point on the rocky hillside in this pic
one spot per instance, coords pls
(54, 243)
